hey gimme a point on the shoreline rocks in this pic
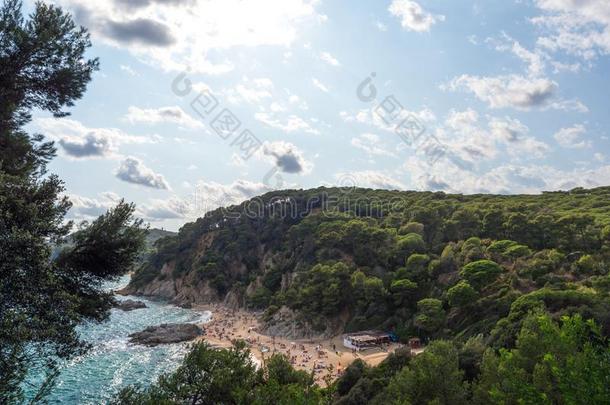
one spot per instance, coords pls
(130, 305)
(166, 333)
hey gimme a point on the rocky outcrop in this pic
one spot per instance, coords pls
(233, 300)
(189, 290)
(181, 280)
(130, 305)
(161, 287)
(166, 333)
(291, 325)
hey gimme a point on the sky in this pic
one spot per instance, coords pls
(199, 104)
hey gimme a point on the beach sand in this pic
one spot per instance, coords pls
(327, 358)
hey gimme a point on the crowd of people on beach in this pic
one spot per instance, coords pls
(227, 326)
(325, 359)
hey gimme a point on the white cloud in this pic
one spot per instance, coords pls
(591, 10)
(577, 27)
(171, 114)
(372, 117)
(571, 137)
(565, 67)
(319, 85)
(252, 91)
(460, 120)
(177, 34)
(535, 60)
(515, 135)
(529, 147)
(292, 124)
(369, 179)
(206, 196)
(507, 130)
(330, 59)
(129, 70)
(286, 156)
(412, 16)
(91, 145)
(157, 210)
(210, 195)
(568, 105)
(466, 142)
(276, 107)
(284, 101)
(293, 99)
(503, 179)
(86, 208)
(470, 142)
(515, 91)
(371, 144)
(508, 91)
(154, 210)
(539, 178)
(133, 170)
(81, 142)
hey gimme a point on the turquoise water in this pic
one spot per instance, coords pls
(113, 363)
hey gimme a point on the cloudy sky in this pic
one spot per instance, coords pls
(200, 103)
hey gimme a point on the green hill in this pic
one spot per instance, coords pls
(416, 263)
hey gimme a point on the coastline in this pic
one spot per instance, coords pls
(326, 358)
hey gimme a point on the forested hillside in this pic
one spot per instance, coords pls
(511, 291)
(417, 263)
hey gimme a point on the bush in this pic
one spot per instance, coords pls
(448, 259)
(403, 291)
(417, 267)
(471, 243)
(417, 261)
(481, 273)
(412, 227)
(433, 377)
(586, 264)
(430, 315)
(472, 250)
(606, 233)
(435, 268)
(517, 251)
(500, 246)
(461, 294)
(350, 377)
(411, 243)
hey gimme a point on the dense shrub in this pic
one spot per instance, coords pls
(480, 273)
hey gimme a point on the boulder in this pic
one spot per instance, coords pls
(130, 305)
(166, 333)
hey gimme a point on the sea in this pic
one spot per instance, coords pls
(113, 363)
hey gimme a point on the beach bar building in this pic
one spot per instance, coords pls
(363, 340)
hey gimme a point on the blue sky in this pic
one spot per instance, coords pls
(512, 94)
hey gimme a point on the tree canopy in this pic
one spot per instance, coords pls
(43, 297)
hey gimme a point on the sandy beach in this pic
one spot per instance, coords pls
(327, 358)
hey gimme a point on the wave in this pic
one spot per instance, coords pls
(113, 363)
